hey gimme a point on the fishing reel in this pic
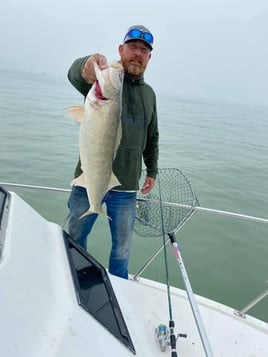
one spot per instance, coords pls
(163, 335)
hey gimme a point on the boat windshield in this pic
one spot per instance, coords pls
(3, 204)
(95, 293)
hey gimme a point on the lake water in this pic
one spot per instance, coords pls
(222, 149)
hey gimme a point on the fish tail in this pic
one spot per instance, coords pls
(89, 212)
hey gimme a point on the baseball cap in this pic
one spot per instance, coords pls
(139, 32)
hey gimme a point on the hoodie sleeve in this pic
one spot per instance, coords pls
(75, 76)
(151, 151)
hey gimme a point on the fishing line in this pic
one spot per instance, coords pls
(65, 221)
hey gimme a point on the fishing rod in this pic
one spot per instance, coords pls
(190, 294)
(172, 336)
(178, 192)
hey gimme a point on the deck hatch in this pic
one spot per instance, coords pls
(95, 293)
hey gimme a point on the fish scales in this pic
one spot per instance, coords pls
(100, 135)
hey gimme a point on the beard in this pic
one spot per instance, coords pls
(135, 71)
(134, 63)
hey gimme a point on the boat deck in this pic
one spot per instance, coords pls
(38, 302)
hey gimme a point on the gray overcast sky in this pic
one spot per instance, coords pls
(211, 49)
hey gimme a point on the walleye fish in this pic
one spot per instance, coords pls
(100, 134)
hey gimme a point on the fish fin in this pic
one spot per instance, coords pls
(79, 181)
(76, 112)
(113, 182)
(88, 212)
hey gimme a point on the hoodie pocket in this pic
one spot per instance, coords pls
(127, 167)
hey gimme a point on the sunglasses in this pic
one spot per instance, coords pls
(136, 34)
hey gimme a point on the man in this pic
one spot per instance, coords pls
(139, 141)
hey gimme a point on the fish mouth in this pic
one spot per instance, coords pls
(98, 92)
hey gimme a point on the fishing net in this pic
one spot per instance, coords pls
(168, 206)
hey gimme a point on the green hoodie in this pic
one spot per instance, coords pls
(139, 128)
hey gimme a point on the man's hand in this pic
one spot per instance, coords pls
(148, 185)
(88, 72)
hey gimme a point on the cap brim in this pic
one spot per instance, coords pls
(139, 39)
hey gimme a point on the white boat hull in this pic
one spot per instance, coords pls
(40, 315)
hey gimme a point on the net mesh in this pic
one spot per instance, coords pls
(172, 202)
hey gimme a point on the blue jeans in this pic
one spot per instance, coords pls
(121, 208)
